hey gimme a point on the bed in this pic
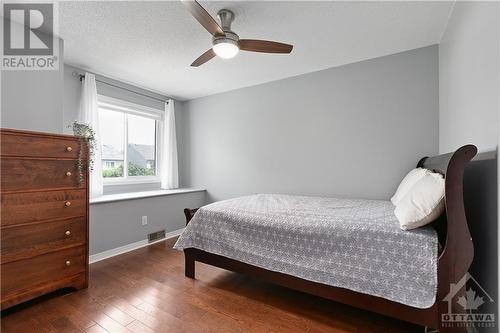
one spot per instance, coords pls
(348, 250)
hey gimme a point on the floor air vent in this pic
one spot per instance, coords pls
(154, 236)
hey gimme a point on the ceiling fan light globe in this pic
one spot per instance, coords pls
(226, 50)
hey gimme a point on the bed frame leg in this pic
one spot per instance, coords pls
(189, 265)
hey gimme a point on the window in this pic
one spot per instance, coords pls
(129, 141)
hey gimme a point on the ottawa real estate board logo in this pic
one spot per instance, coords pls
(471, 305)
(28, 36)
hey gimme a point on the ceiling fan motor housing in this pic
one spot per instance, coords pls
(226, 17)
(230, 37)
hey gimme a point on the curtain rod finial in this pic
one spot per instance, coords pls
(78, 75)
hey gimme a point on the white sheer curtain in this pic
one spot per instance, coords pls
(168, 157)
(88, 115)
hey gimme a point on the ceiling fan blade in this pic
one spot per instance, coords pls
(203, 58)
(202, 16)
(265, 46)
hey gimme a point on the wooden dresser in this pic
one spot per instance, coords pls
(44, 215)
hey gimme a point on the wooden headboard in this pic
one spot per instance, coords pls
(458, 249)
(441, 163)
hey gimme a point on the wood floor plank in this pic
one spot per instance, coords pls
(155, 322)
(96, 329)
(96, 311)
(111, 326)
(118, 315)
(145, 291)
(63, 324)
(78, 318)
(138, 327)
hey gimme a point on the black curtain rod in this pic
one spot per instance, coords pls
(81, 76)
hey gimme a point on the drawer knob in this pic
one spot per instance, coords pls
(68, 173)
(67, 203)
(69, 149)
(68, 262)
(67, 233)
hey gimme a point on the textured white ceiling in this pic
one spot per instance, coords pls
(152, 44)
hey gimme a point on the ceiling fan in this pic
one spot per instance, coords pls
(225, 42)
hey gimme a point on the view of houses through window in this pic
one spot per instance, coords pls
(136, 133)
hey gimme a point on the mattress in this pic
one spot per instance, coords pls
(348, 243)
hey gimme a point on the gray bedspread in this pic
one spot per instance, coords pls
(348, 243)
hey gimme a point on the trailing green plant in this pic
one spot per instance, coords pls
(86, 135)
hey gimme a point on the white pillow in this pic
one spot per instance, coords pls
(410, 179)
(423, 203)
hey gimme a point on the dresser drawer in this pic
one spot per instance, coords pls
(32, 174)
(21, 276)
(19, 208)
(30, 240)
(27, 145)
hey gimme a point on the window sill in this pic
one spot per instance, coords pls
(130, 181)
(140, 195)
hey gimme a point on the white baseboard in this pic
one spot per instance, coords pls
(130, 247)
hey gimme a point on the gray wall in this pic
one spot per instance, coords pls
(71, 98)
(480, 199)
(469, 77)
(118, 223)
(32, 100)
(351, 131)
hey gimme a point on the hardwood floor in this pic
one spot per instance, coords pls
(145, 291)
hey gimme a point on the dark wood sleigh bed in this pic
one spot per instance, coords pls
(453, 262)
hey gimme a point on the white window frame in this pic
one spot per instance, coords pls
(114, 104)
